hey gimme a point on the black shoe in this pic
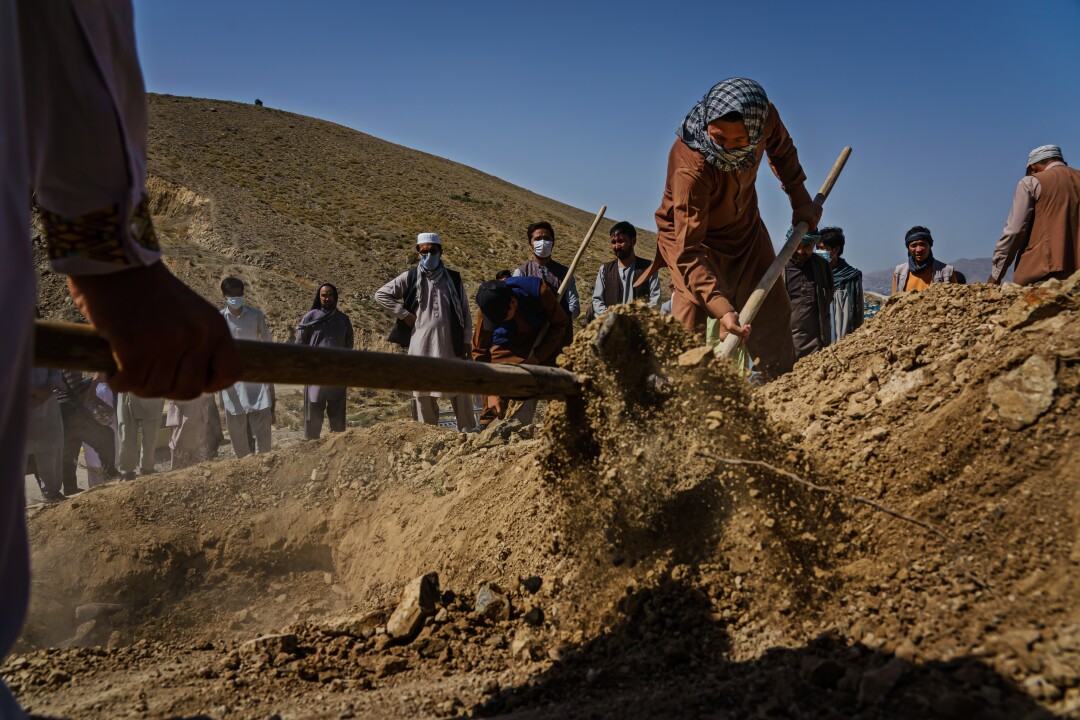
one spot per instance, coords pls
(111, 473)
(127, 475)
(75, 491)
(51, 496)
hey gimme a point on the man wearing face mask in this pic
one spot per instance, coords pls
(615, 281)
(810, 287)
(847, 307)
(324, 326)
(541, 241)
(430, 301)
(249, 407)
(921, 269)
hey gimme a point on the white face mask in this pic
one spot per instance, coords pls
(825, 254)
(235, 302)
(542, 248)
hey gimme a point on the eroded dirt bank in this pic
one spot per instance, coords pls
(645, 577)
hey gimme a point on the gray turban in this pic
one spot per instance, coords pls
(1044, 152)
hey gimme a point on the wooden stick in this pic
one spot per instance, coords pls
(831, 491)
(581, 251)
(757, 298)
(80, 347)
(570, 273)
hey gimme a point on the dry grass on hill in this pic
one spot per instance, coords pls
(285, 201)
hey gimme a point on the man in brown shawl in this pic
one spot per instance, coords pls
(709, 230)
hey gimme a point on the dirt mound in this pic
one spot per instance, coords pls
(958, 406)
(319, 527)
(641, 497)
(645, 574)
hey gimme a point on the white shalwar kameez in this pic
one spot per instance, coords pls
(437, 306)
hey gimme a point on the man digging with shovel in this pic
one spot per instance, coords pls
(709, 229)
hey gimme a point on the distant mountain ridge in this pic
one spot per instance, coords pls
(976, 270)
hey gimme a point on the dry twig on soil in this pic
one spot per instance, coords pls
(832, 491)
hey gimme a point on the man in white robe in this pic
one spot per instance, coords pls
(432, 309)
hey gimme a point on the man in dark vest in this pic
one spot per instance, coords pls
(810, 287)
(1043, 229)
(615, 281)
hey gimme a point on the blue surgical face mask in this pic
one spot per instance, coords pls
(823, 254)
(430, 261)
(235, 302)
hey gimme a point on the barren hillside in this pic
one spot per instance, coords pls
(285, 202)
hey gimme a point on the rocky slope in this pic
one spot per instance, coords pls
(285, 202)
(656, 552)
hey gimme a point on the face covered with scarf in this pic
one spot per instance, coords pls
(734, 95)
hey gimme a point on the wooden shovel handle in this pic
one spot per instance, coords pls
(757, 298)
(80, 347)
(569, 275)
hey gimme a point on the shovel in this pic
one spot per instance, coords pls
(749, 311)
(79, 347)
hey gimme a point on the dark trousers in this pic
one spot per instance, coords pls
(334, 407)
(80, 427)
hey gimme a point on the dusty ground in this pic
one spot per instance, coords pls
(646, 577)
(364, 407)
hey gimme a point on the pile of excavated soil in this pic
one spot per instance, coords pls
(645, 577)
(316, 527)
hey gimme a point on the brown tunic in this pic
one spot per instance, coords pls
(710, 233)
(1053, 248)
(519, 348)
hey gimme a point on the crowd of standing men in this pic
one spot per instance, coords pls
(710, 234)
(119, 432)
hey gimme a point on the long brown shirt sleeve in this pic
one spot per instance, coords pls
(1017, 226)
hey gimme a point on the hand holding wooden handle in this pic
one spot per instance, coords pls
(757, 298)
(79, 347)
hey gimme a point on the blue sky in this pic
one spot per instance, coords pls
(579, 101)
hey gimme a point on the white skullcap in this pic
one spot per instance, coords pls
(429, 239)
(1045, 152)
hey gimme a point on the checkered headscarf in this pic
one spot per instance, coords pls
(732, 95)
